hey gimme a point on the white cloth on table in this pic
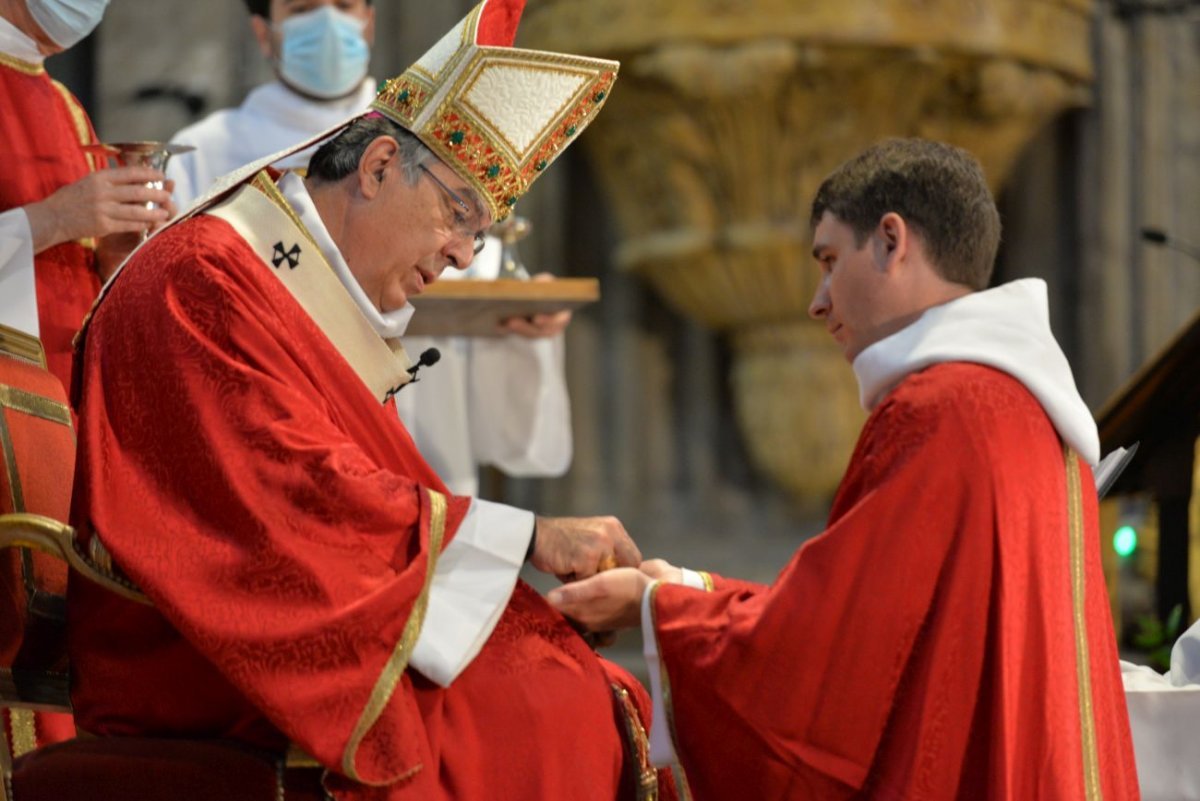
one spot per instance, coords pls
(1164, 714)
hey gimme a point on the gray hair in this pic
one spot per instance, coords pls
(339, 157)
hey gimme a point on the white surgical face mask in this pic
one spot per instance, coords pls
(324, 53)
(67, 21)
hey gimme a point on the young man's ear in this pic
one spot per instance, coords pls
(892, 237)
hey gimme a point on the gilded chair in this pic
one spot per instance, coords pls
(40, 756)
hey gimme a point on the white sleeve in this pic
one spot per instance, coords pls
(18, 286)
(472, 583)
(519, 407)
(662, 749)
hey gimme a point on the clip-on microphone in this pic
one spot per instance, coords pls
(428, 358)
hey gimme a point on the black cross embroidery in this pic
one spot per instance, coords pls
(292, 256)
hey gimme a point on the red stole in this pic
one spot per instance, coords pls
(41, 129)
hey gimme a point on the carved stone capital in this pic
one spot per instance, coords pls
(727, 116)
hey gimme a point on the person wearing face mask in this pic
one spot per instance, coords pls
(64, 221)
(320, 50)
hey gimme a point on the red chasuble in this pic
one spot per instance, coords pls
(41, 129)
(281, 521)
(947, 637)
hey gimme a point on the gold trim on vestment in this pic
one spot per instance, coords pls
(638, 747)
(83, 130)
(26, 67)
(263, 218)
(24, 731)
(1091, 759)
(20, 345)
(385, 686)
(707, 578)
(263, 183)
(681, 782)
(34, 405)
(16, 495)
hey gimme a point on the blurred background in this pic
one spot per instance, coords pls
(710, 415)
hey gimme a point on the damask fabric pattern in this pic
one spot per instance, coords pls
(278, 516)
(42, 128)
(924, 645)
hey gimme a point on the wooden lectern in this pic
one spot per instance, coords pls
(1160, 408)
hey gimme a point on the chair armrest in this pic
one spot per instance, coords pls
(21, 530)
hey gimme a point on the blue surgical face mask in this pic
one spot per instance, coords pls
(324, 53)
(66, 22)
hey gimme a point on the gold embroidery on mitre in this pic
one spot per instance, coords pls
(402, 99)
(454, 101)
(489, 162)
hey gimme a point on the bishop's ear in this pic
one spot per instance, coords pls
(376, 158)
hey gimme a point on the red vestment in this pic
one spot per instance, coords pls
(279, 518)
(42, 128)
(925, 645)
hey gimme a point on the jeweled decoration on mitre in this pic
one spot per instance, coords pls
(498, 115)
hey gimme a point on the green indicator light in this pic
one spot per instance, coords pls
(1125, 540)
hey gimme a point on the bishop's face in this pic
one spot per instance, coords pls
(417, 230)
(852, 297)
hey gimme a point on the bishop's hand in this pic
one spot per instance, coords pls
(578, 547)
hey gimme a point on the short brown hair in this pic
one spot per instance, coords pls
(938, 189)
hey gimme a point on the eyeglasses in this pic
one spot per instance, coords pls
(462, 219)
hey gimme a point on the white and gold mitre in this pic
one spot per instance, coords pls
(498, 115)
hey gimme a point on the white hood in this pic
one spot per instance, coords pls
(1007, 328)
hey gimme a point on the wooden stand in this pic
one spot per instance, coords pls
(476, 308)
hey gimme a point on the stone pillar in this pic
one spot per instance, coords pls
(727, 117)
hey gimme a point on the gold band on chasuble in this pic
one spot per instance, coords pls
(385, 686)
(25, 67)
(18, 400)
(19, 345)
(34, 405)
(1087, 722)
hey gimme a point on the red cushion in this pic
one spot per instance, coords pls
(154, 769)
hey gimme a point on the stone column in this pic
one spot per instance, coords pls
(727, 117)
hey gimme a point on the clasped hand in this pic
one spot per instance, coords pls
(611, 600)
